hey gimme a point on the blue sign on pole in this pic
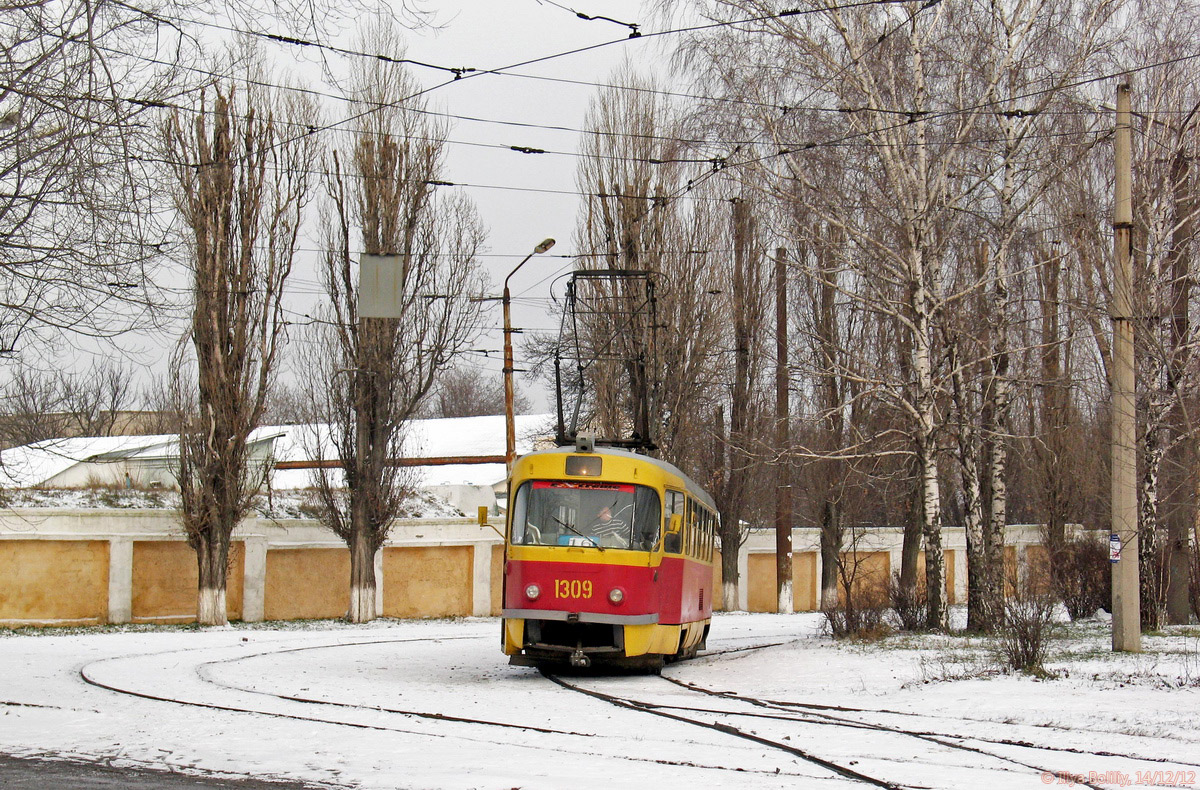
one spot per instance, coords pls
(1114, 548)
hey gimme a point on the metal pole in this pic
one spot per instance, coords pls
(510, 431)
(1126, 624)
(783, 491)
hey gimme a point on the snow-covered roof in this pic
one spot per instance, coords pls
(450, 437)
(33, 464)
(434, 438)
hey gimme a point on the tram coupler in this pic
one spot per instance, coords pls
(579, 659)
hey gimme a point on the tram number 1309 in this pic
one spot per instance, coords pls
(572, 588)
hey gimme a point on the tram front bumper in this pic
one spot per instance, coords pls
(581, 637)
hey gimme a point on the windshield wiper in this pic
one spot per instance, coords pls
(577, 532)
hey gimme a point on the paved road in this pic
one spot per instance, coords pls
(21, 774)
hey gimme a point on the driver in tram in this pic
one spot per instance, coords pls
(610, 530)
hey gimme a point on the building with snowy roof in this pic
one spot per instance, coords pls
(128, 461)
(458, 459)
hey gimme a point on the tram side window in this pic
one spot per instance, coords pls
(712, 534)
(693, 526)
(520, 515)
(688, 526)
(675, 506)
(646, 519)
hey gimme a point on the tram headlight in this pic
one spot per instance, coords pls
(532, 591)
(616, 595)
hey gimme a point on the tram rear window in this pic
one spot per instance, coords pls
(583, 465)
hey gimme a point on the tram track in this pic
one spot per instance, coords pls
(828, 720)
(774, 712)
(800, 713)
(677, 713)
(200, 672)
(201, 668)
(815, 713)
(206, 678)
(822, 711)
(655, 710)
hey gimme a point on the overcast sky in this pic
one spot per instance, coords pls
(522, 198)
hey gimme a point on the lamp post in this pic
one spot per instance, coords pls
(510, 431)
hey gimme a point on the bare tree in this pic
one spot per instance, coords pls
(94, 399)
(379, 369)
(242, 183)
(642, 380)
(32, 406)
(38, 404)
(828, 326)
(467, 392)
(80, 226)
(738, 444)
(286, 405)
(167, 401)
(693, 388)
(907, 96)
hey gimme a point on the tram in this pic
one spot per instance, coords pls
(608, 560)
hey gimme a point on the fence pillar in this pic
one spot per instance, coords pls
(481, 578)
(120, 580)
(379, 581)
(743, 580)
(254, 579)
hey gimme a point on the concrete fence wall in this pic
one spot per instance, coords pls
(81, 567)
(876, 557)
(134, 566)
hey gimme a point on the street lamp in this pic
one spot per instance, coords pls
(510, 431)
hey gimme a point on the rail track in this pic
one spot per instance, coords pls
(773, 724)
(572, 741)
(799, 714)
(823, 711)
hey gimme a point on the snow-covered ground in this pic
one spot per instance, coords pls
(433, 704)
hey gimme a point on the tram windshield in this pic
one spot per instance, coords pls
(602, 515)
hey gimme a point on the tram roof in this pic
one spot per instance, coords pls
(666, 466)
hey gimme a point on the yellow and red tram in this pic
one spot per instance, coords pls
(608, 558)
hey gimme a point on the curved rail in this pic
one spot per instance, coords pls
(90, 679)
(820, 711)
(840, 770)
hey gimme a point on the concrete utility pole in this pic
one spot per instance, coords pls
(783, 490)
(1126, 606)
